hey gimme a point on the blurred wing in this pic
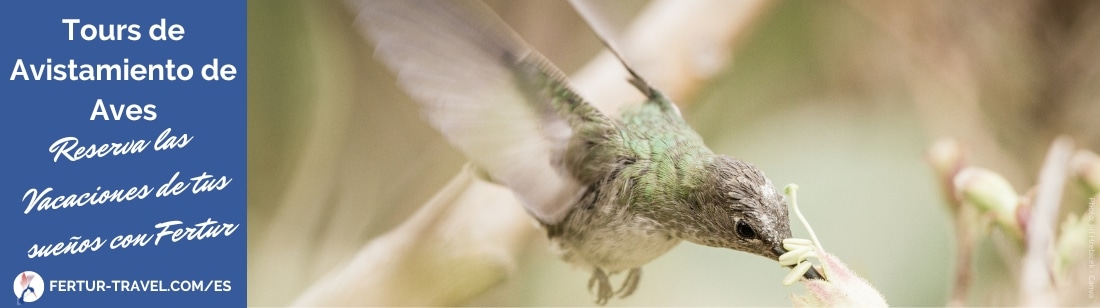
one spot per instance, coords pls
(481, 86)
(593, 16)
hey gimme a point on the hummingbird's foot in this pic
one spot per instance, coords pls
(604, 293)
(630, 283)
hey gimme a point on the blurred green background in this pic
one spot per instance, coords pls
(841, 97)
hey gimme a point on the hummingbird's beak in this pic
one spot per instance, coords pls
(811, 274)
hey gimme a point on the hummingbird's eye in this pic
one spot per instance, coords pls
(744, 230)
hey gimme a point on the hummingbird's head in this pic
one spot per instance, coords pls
(737, 207)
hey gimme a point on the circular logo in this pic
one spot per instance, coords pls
(28, 287)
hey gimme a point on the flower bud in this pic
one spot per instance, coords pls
(989, 192)
(945, 156)
(843, 289)
(1070, 248)
(1085, 166)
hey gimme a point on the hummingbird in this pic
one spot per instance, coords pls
(612, 192)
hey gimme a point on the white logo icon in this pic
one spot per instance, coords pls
(28, 287)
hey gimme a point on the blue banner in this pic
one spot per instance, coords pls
(124, 153)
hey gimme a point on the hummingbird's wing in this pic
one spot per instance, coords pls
(591, 13)
(487, 91)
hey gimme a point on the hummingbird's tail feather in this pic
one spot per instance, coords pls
(489, 93)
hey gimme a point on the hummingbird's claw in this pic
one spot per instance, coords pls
(604, 292)
(630, 283)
